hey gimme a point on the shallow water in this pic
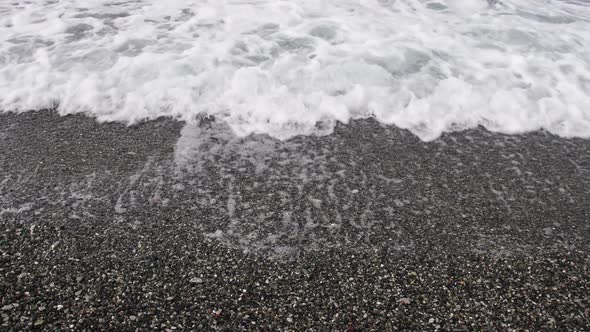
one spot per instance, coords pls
(296, 67)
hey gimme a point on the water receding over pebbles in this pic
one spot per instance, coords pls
(162, 226)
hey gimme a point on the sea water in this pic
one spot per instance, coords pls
(291, 67)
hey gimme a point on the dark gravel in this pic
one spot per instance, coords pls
(160, 227)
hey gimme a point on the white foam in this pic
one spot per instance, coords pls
(282, 67)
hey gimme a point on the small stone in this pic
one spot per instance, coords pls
(317, 203)
(217, 314)
(405, 300)
(289, 319)
(59, 307)
(196, 280)
(7, 307)
(431, 320)
(39, 322)
(132, 317)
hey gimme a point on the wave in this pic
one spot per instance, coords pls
(293, 67)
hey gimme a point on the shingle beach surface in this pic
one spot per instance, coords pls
(167, 226)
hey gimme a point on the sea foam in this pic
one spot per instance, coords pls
(294, 67)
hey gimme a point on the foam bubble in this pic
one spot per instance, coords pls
(296, 67)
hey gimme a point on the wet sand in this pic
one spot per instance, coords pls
(167, 226)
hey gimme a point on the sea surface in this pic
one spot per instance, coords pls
(292, 67)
